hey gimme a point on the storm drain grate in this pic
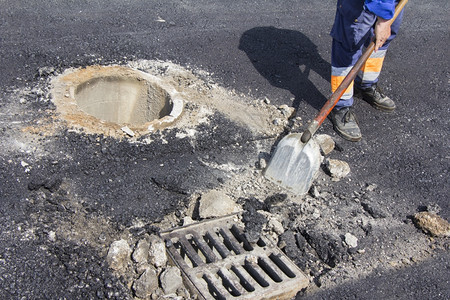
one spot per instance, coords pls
(218, 262)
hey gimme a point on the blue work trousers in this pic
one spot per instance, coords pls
(353, 30)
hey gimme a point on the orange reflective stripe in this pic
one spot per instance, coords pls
(336, 81)
(373, 65)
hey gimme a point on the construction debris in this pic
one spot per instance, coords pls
(118, 255)
(337, 169)
(432, 224)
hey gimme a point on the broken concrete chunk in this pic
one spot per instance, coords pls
(118, 255)
(216, 204)
(276, 226)
(287, 111)
(140, 254)
(371, 187)
(146, 284)
(325, 142)
(279, 122)
(52, 236)
(187, 221)
(142, 267)
(262, 163)
(316, 214)
(157, 251)
(128, 131)
(432, 224)
(171, 280)
(337, 169)
(351, 240)
(314, 191)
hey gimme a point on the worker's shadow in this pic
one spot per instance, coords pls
(285, 58)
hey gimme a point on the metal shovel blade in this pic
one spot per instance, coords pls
(294, 165)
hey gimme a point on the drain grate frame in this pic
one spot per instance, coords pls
(217, 262)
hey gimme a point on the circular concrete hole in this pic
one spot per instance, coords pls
(123, 100)
(104, 98)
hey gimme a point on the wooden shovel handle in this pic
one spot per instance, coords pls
(334, 98)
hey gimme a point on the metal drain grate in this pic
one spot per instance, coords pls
(217, 262)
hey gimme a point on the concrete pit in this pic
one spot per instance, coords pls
(105, 99)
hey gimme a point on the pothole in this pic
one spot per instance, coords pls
(115, 99)
(123, 100)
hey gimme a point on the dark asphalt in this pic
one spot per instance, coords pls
(428, 280)
(275, 49)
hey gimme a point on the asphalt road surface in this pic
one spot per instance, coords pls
(274, 49)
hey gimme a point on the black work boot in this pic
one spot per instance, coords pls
(345, 124)
(375, 97)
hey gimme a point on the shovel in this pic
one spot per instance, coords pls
(297, 157)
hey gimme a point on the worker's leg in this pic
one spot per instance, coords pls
(367, 79)
(343, 119)
(342, 61)
(350, 30)
(368, 76)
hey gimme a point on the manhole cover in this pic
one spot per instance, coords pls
(107, 98)
(218, 262)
